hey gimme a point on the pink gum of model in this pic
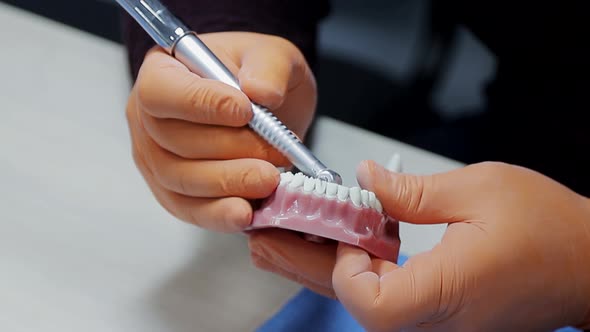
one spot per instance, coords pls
(331, 218)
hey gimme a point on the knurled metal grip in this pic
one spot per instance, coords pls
(194, 54)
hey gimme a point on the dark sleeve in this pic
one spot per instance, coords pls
(295, 20)
(541, 48)
(537, 100)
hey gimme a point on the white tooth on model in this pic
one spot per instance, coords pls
(342, 193)
(331, 190)
(297, 180)
(378, 206)
(286, 177)
(308, 185)
(355, 196)
(372, 199)
(359, 197)
(320, 187)
(365, 197)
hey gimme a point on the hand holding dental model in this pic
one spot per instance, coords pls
(515, 256)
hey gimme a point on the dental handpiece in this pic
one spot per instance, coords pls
(183, 44)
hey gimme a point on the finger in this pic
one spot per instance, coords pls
(263, 264)
(383, 298)
(312, 261)
(167, 89)
(271, 70)
(247, 178)
(196, 141)
(230, 214)
(439, 198)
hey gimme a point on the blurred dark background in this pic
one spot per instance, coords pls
(392, 55)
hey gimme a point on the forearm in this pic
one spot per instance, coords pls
(295, 20)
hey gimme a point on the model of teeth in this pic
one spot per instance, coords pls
(359, 197)
(328, 210)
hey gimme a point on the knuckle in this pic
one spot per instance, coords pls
(198, 96)
(224, 103)
(492, 167)
(238, 115)
(144, 89)
(286, 45)
(192, 215)
(160, 173)
(232, 111)
(140, 162)
(172, 179)
(293, 53)
(236, 184)
(208, 102)
(183, 183)
(181, 211)
(137, 158)
(492, 173)
(131, 110)
(414, 189)
(140, 158)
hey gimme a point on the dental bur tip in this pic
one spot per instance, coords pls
(329, 175)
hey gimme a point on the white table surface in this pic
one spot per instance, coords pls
(83, 244)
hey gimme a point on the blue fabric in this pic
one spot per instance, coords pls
(308, 311)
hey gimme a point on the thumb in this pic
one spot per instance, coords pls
(383, 296)
(427, 199)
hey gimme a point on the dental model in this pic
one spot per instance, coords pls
(328, 210)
